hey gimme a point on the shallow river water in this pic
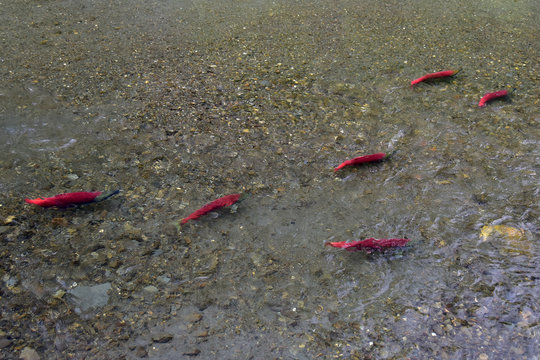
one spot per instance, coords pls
(177, 103)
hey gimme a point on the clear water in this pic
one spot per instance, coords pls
(178, 103)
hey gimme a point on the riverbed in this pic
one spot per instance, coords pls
(178, 103)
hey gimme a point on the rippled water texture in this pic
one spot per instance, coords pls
(178, 103)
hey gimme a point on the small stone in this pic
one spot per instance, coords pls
(170, 229)
(164, 279)
(10, 281)
(4, 342)
(162, 338)
(87, 297)
(150, 289)
(94, 259)
(59, 222)
(72, 176)
(9, 220)
(193, 318)
(132, 232)
(466, 332)
(60, 342)
(59, 294)
(483, 357)
(518, 351)
(29, 354)
(114, 263)
(192, 352)
(439, 331)
(141, 352)
(203, 334)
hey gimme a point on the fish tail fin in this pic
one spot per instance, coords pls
(243, 196)
(390, 155)
(106, 195)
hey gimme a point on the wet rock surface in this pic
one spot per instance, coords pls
(88, 297)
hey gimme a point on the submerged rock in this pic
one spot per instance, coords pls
(87, 297)
(162, 338)
(29, 354)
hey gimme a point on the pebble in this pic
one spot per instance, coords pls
(10, 281)
(59, 222)
(162, 338)
(87, 297)
(141, 352)
(115, 263)
(466, 332)
(132, 232)
(94, 259)
(59, 294)
(193, 318)
(4, 342)
(150, 289)
(192, 352)
(60, 342)
(9, 220)
(29, 354)
(164, 279)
